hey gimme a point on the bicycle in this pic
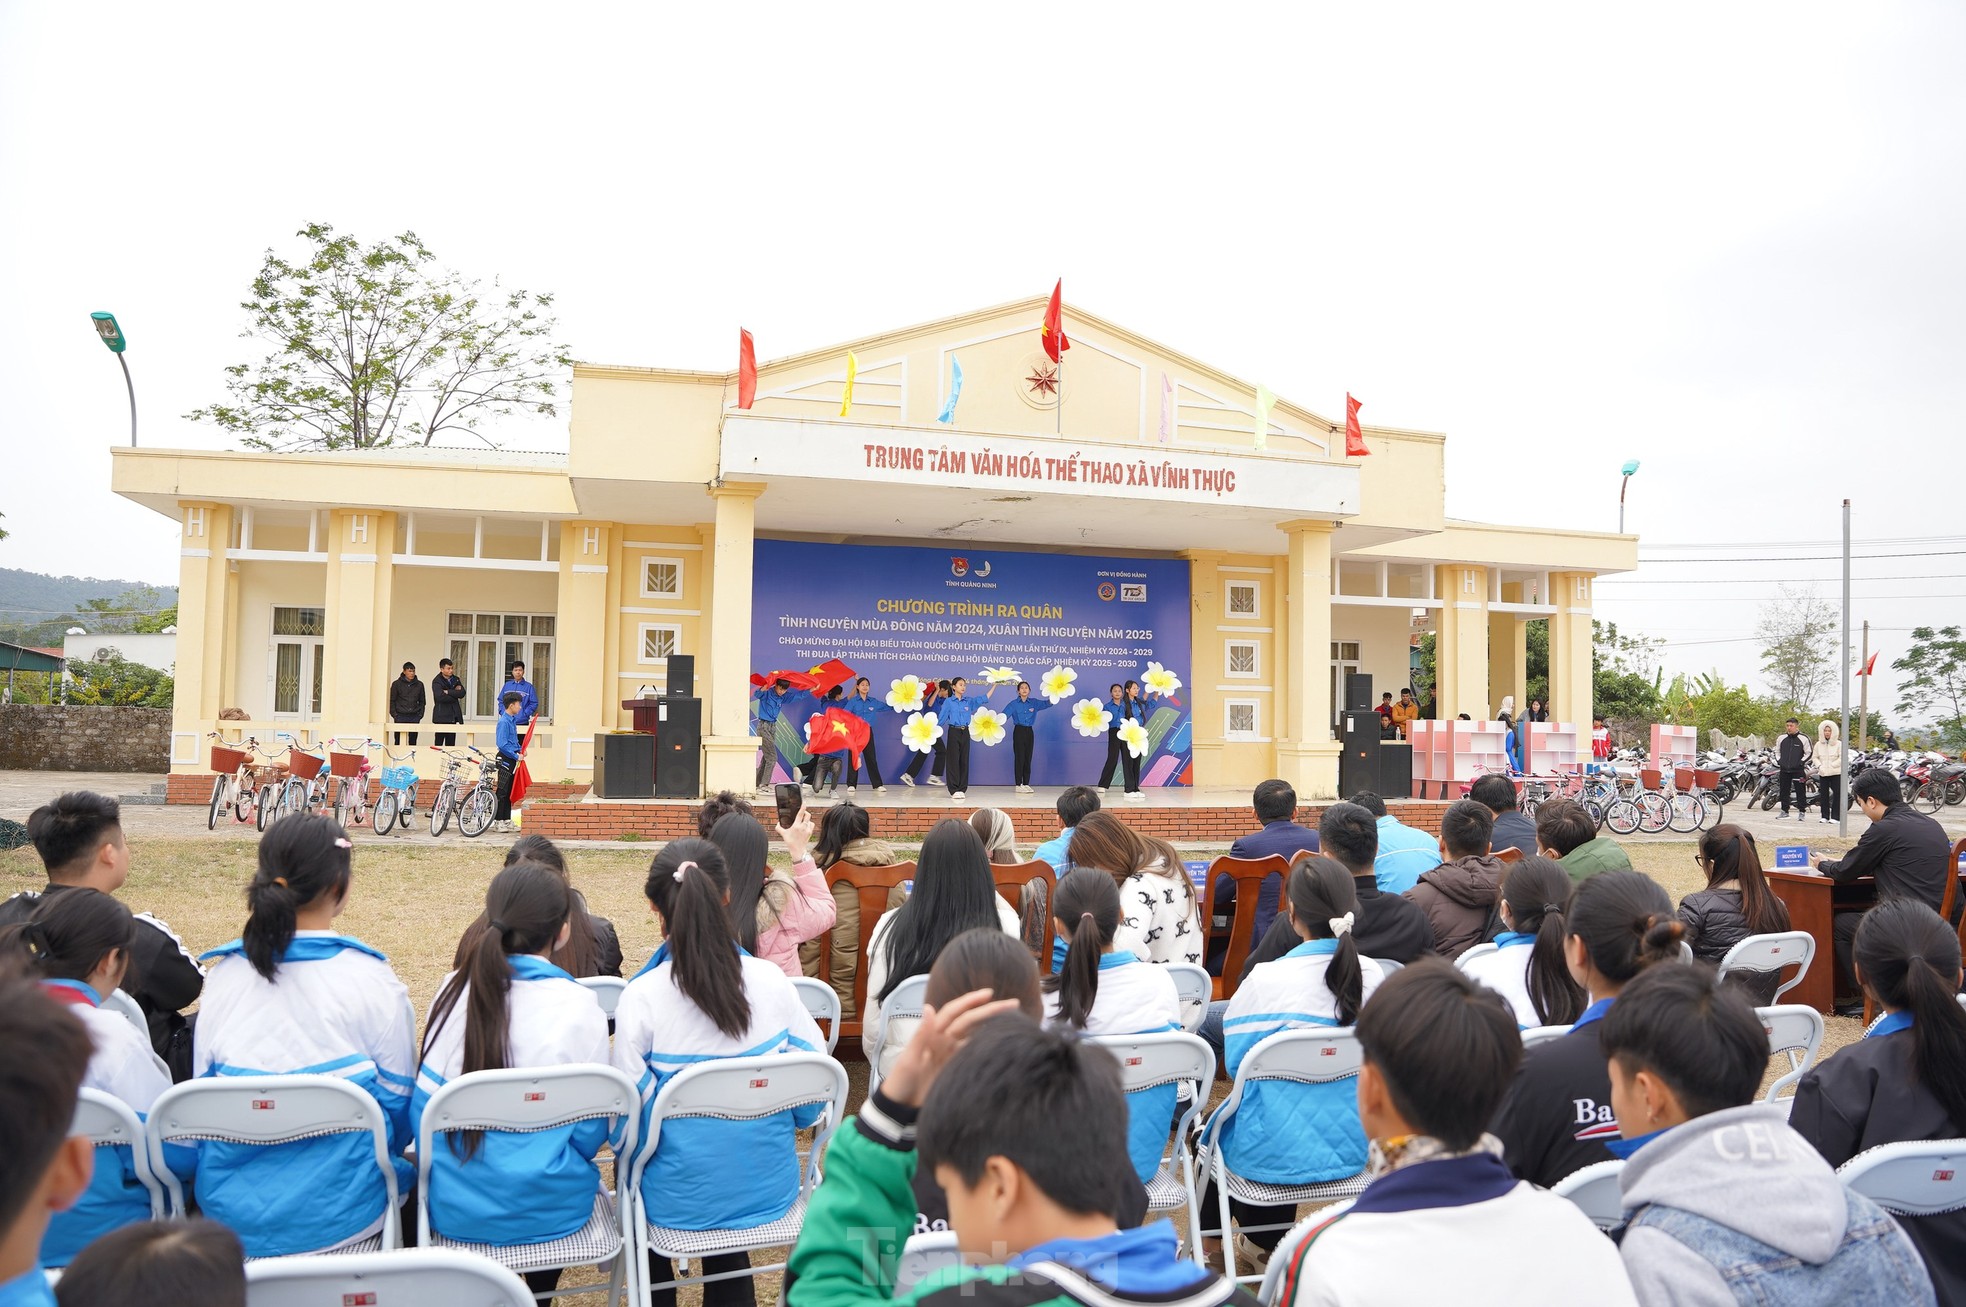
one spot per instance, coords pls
(473, 805)
(235, 788)
(351, 781)
(305, 789)
(1636, 810)
(396, 805)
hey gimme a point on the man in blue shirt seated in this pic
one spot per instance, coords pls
(519, 685)
(1405, 854)
(1281, 836)
(43, 1168)
(1074, 806)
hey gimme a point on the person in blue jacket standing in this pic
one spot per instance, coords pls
(955, 714)
(771, 702)
(510, 705)
(516, 683)
(1023, 712)
(862, 704)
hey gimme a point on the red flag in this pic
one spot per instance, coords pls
(747, 369)
(521, 774)
(828, 674)
(1354, 438)
(837, 729)
(797, 680)
(1870, 666)
(1053, 332)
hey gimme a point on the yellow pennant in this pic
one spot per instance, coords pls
(846, 400)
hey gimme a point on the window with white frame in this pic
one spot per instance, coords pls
(1242, 599)
(659, 641)
(662, 578)
(1241, 719)
(485, 645)
(1242, 658)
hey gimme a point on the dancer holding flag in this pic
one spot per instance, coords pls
(862, 704)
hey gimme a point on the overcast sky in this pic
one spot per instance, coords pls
(1722, 239)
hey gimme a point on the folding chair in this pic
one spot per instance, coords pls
(1248, 876)
(408, 1277)
(922, 1256)
(1795, 1029)
(1595, 1192)
(1542, 1035)
(606, 991)
(870, 887)
(126, 1007)
(1924, 1177)
(1194, 985)
(527, 1100)
(1388, 966)
(730, 1089)
(1286, 1250)
(1478, 951)
(822, 1004)
(906, 1002)
(1508, 855)
(1760, 953)
(1311, 1056)
(109, 1122)
(269, 1110)
(1148, 1062)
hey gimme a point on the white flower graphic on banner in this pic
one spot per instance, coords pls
(1134, 736)
(1056, 684)
(905, 695)
(1160, 680)
(986, 726)
(1001, 676)
(1089, 717)
(919, 732)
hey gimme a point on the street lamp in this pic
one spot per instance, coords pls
(1630, 470)
(112, 336)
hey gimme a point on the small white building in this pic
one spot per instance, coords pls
(157, 649)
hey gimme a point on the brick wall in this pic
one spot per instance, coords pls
(67, 737)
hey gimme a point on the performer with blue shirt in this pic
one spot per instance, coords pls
(866, 707)
(1023, 712)
(955, 713)
(511, 705)
(516, 683)
(771, 702)
(293, 997)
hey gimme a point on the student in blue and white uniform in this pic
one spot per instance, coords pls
(771, 702)
(1023, 713)
(1527, 967)
(1285, 1133)
(862, 704)
(511, 1007)
(293, 997)
(955, 712)
(78, 946)
(701, 998)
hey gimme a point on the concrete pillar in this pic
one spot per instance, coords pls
(204, 636)
(1307, 756)
(355, 676)
(1204, 666)
(724, 678)
(586, 698)
(1571, 685)
(1461, 649)
(1508, 659)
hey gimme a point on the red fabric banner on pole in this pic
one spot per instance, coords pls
(1354, 438)
(1053, 333)
(747, 369)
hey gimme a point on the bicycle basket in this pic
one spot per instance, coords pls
(227, 760)
(399, 777)
(1649, 778)
(347, 764)
(304, 765)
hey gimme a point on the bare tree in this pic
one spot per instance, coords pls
(1798, 646)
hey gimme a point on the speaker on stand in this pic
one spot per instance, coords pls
(1358, 765)
(679, 748)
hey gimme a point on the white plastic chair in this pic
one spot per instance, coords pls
(408, 1277)
(1921, 1178)
(1387, 966)
(1797, 1030)
(108, 1121)
(1790, 948)
(906, 1002)
(1595, 1192)
(1195, 987)
(1316, 1055)
(1477, 951)
(529, 1099)
(606, 991)
(126, 1007)
(822, 1004)
(268, 1110)
(1148, 1062)
(731, 1089)
(1286, 1249)
(922, 1256)
(1542, 1035)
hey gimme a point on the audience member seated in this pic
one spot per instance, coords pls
(1906, 1078)
(1074, 806)
(1439, 1053)
(1512, 830)
(773, 912)
(1458, 896)
(1025, 1130)
(1527, 967)
(189, 1262)
(717, 807)
(1724, 1202)
(1160, 916)
(1285, 1133)
(1906, 851)
(993, 827)
(954, 891)
(1404, 854)
(1736, 903)
(78, 946)
(700, 999)
(509, 1006)
(43, 1168)
(1558, 1116)
(591, 949)
(291, 996)
(80, 839)
(844, 836)
(1566, 831)
(1276, 807)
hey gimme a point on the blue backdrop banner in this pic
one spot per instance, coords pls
(892, 611)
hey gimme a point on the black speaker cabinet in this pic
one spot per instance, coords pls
(1358, 692)
(1358, 765)
(624, 765)
(679, 748)
(1395, 770)
(682, 676)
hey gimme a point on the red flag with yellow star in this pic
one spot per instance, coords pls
(1053, 331)
(828, 674)
(836, 729)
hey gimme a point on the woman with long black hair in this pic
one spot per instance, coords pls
(1527, 967)
(1736, 903)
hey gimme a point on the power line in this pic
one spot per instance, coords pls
(1730, 599)
(1771, 580)
(1810, 558)
(1806, 544)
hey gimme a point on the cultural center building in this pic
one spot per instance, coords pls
(1010, 534)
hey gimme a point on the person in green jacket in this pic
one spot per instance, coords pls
(1025, 1131)
(1566, 832)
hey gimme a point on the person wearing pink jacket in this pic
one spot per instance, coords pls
(772, 912)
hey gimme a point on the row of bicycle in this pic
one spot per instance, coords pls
(1645, 801)
(258, 785)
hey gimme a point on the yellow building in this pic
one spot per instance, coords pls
(308, 579)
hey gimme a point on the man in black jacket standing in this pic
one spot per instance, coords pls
(1791, 759)
(447, 708)
(406, 701)
(1905, 851)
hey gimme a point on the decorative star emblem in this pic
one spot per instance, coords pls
(1044, 381)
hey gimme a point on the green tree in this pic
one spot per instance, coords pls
(112, 681)
(1936, 663)
(1798, 636)
(138, 609)
(375, 346)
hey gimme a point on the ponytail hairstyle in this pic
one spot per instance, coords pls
(1087, 909)
(526, 906)
(303, 859)
(1908, 958)
(688, 883)
(742, 841)
(1730, 855)
(68, 935)
(1626, 922)
(1322, 896)
(1536, 890)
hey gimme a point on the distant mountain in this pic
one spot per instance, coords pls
(36, 608)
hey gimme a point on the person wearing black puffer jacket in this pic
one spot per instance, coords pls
(1791, 760)
(1736, 903)
(406, 700)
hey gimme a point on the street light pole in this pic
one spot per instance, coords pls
(1630, 470)
(112, 337)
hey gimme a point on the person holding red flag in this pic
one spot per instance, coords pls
(862, 704)
(509, 748)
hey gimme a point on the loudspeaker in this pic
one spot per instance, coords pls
(624, 765)
(679, 748)
(682, 676)
(1358, 765)
(1395, 770)
(1358, 692)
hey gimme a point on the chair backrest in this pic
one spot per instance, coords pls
(1952, 886)
(1478, 951)
(1542, 1035)
(1387, 966)
(1013, 881)
(1792, 1028)
(744, 1089)
(1286, 1249)
(1595, 1192)
(1921, 1178)
(870, 886)
(1510, 854)
(1161, 1058)
(822, 1004)
(906, 1001)
(106, 1121)
(922, 1256)
(1193, 984)
(1248, 875)
(406, 1277)
(119, 1002)
(1312, 1055)
(1789, 948)
(267, 1110)
(606, 991)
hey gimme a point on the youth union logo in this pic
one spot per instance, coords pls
(959, 566)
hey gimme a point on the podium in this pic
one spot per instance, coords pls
(644, 711)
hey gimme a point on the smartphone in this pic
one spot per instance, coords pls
(790, 800)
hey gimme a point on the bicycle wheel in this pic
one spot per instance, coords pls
(1955, 792)
(385, 812)
(1622, 817)
(1654, 813)
(474, 816)
(1527, 806)
(265, 800)
(243, 803)
(1596, 810)
(1931, 796)
(440, 810)
(293, 799)
(218, 803)
(358, 801)
(1687, 813)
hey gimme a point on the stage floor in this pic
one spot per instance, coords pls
(1004, 796)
